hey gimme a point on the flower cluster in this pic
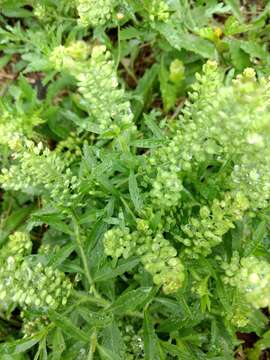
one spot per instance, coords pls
(97, 80)
(157, 255)
(37, 170)
(103, 14)
(119, 243)
(133, 341)
(93, 14)
(41, 12)
(12, 255)
(70, 57)
(99, 86)
(19, 245)
(166, 191)
(40, 287)
(205, 232)
(70, 148)
(159, 10)
(251, 276)
(33, 325)
(207, 136)
(241, 310)
(162, 262)
(190, 144)
(29, 286)
(226, 135)
(14, 126)
(210, 125)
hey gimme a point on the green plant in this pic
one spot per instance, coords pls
(135, 187)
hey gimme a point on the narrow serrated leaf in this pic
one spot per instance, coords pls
(152, 349)
(107, 354)
(131, 300)
(107, 272)
(112, 339)
(256, 240)
(183, 40)
(60, 256)
(68, 327)
(19, 346)
(134, 191)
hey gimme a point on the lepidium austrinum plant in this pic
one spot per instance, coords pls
(135, 182)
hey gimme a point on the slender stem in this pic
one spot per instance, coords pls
(84, 259)
(93, 346)
(135, 314)
(178, 108)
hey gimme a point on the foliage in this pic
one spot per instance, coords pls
(135, 189)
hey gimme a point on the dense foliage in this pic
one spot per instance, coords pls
(135, 179)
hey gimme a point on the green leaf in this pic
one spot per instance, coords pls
(58, 344)
(149, 120)
(28, 91)
(129, 32)
(68, 327)
(18, 12)
(152, 350)
(179, 351)
(135, 192)
(42, 353)
(20, 346)
(107, 184)
(259, 346)
(197, 45)
(95, 235)
(143, 92)
(113, 340)
(233, 26)
(131, 300)
(167, 88)
(60, 256)
(173, 306)
(124, 265)
(54, 220)
(256, 240)
(4, 60)
(35, 63)
(221, 338)
(107, 354)
(71, 267)
(240, 59)
(255, 50)
(182, 40)
(94, 319)
(13, 222)
(235, 7)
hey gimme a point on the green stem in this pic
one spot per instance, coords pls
(135, 314)
(79, 243)
(93, 346)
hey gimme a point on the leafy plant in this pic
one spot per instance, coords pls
(135, 188)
